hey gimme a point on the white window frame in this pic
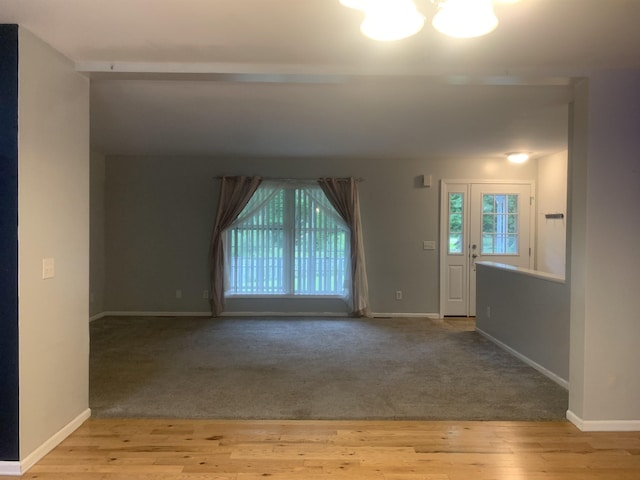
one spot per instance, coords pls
(289, 251)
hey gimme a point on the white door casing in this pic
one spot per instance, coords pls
(454, 271)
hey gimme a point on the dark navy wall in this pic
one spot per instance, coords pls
(9, 425)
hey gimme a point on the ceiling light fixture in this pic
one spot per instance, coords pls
(465, 18)
(388, 23)
(517, 157)
(355, 4)
(388, 20)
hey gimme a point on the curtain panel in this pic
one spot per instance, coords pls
(343, 195)
(235, 193)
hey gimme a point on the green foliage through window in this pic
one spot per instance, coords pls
(456, 219)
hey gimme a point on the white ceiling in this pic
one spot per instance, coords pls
(295, 77)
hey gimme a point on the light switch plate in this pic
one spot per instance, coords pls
(429, 245)
(48, 268)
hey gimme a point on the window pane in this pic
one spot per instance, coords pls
(256, 252)
(456, 223)
(455, 243)
(500, 225)
(320, 246)
(293, 242)
(455, 202)
(488, 223)
(488, 204)
(487, 244)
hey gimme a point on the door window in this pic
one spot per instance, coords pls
(500, 234)
(456, 222)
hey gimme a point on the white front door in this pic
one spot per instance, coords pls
(481, 221)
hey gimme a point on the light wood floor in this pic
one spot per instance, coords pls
(308, 450)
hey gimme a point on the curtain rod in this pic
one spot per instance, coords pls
(281, 179)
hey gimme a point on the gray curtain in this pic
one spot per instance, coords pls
(343, 195)
(235, 193)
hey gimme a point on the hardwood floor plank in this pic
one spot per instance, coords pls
(313, 450)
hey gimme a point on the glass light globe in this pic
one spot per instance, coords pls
(387, 21)
(465, 18)
(355, 4)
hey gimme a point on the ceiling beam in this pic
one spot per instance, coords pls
(295, 73)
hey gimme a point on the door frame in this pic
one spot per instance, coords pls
(444, 226)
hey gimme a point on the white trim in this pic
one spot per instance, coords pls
(97, 316)
(329, 73)
(547, 373)
(10, 468)
(285, 314)
(54, 441)
(156, 314)
(487, 181)
(603, 425)
(433, 316)
(525, 271)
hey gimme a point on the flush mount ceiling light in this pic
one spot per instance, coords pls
(388, 20)
(517, 157)
(465, 18)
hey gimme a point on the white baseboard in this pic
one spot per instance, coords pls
(98, 316)
(284, 314)
(603, 425)
(258, 314)
(547, 373)
(10, 468)
(39, 453)
(153, 314)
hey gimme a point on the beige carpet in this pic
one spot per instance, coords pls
(302, 368)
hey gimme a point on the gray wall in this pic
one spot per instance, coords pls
(529, 315)
(97, 249)
(604, 262)
(160, 212)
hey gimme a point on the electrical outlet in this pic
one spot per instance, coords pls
(488, 312)
(178, 293)
(399, 295)
(205, 294)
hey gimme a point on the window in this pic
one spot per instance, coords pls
(456, 217)
(499, 224)
(288, 240)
